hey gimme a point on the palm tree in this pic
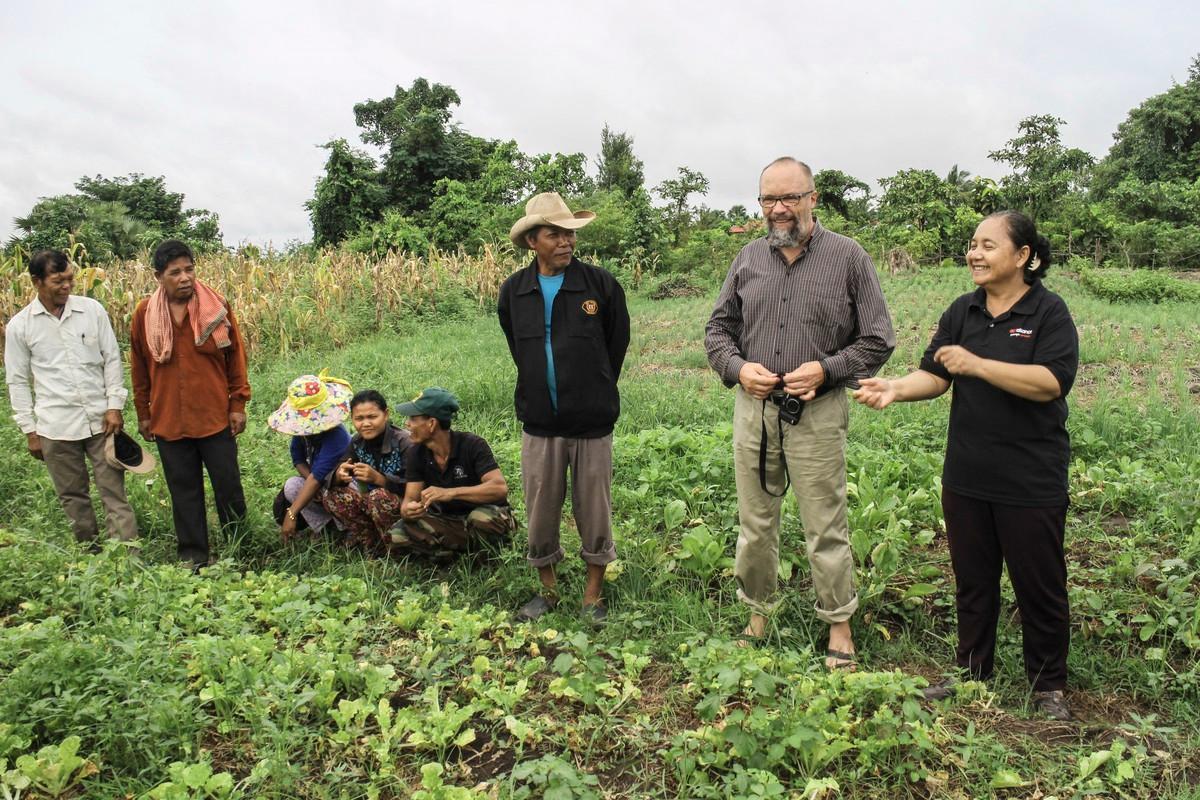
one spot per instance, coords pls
(958, 179)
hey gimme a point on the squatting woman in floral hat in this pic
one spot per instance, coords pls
(312, 414)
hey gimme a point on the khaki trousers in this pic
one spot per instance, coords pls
(68, 470)
(545, 461)
(815, 449)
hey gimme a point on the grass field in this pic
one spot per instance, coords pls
(306, 672)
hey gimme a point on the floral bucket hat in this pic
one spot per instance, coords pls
(314, 404)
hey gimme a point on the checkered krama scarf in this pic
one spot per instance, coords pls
(207, 313)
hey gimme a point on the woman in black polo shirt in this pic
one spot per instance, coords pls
(1011, 350)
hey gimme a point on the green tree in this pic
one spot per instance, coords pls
(958, 179)
(843, 193)
(114, 231)
(1158, 141)
(395, 232)
(145, 199)
(505, 178)
(54, 222)
(1044, 171)
(618, 167)
(116, 218)
(565, 174)
(421, 144)
(916, 197)
(347, 197)
(920, 208)
(983, 195)
(1146, 191)
(458, 217)
(613, 230)
(676, 192)
(150, 213)
(647, 231)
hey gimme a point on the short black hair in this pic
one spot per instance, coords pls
(444, 424)
(368, 396)
(46, 261)
(534, 231)
(1022, 232)
(170, 250)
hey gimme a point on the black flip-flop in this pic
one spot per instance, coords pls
(848, 660)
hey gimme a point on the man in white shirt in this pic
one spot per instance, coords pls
(63, 368)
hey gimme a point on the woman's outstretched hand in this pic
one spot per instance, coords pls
(877, 393)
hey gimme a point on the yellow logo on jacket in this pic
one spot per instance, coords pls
(590, 306)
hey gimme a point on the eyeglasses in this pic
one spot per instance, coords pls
(788, 200)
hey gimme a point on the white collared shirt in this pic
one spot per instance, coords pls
(70, 364)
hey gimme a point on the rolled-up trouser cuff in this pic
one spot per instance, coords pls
(763, 607)
(840, 614)
(607, 556)
(546, 561)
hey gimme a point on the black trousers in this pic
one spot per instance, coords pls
(184, 462)
(984, 536)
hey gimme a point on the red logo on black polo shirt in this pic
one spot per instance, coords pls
(1021, 333)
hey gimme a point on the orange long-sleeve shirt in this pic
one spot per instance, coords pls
(192, 395)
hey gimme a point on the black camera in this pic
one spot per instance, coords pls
(791, 408)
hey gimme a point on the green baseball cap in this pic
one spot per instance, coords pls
(433, 402)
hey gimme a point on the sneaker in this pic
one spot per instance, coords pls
(946, 687)
(1053, 704)
(535, 608)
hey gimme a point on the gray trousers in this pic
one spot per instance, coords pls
(815, 449)
(66, 463)
(544, 465)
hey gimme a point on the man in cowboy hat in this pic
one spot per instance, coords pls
(63, 369)
(568, 329)
(455, 497)
(190, 391)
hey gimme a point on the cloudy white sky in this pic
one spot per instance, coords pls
(229, 100)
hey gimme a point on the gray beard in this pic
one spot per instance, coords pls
(783, 237)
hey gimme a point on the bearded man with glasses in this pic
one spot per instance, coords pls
(799, 318)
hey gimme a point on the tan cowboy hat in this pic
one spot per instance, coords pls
(547, 208)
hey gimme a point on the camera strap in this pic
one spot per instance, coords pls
(762, 456)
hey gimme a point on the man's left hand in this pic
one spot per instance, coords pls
(804, 380)
(113, 422)
(237, 422)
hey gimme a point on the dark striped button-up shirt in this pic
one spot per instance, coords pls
(826, 306)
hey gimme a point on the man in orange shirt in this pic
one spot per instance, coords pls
(190, 391)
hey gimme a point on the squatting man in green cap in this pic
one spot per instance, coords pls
(455, 497)
(568, 329)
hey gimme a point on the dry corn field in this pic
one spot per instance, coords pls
(284, 303)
